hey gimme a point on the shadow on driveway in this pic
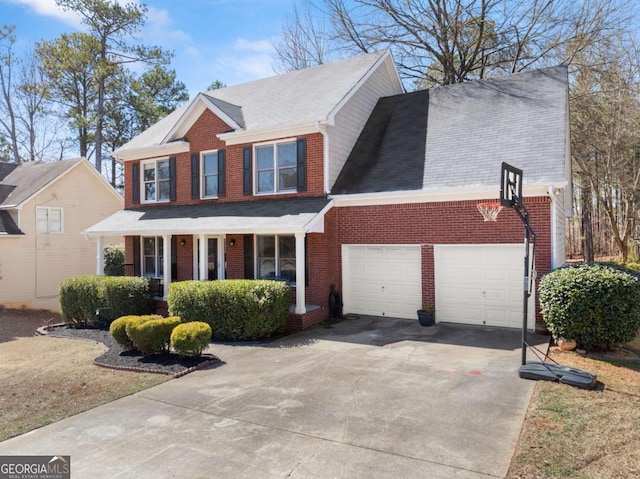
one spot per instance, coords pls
(381, 331)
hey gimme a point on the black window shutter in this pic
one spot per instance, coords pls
(221, 172)
(302, 164)
(246, 171)
(248, 257)
(135, 180)
(136, 255)
(195, 176)
(172, 178)
(174, 258)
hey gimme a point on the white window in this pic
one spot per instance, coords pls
(275, 167)
(49, 220)
(276, 256)
(156, 181)
(209, 169)
(152, 256)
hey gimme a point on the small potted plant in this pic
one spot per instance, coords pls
(427, 315)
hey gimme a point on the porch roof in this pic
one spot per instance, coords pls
(271, 216)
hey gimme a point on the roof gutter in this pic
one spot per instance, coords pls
(465, 193)
(163, 149)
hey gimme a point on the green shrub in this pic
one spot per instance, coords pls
(114, 260)
(598, 305)
(235, 309)
(190, 339)
(95, 301)
(151, 336)
(118, 329)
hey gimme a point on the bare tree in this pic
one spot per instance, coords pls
(439, 42)
(605, 105)
(7, 110)
(304, 41)
(38, 120)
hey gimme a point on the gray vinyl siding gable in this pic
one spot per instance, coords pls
(352, 117)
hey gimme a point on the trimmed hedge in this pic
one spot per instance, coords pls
(598, 305)
(118, 329)
(94, 301)
(235, 309)
(149, 335)
(114, 260)
(190, 339)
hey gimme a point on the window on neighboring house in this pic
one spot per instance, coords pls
(156, 180)
(152, 256)
(209, 169)
(276, 256)
(275, 167)
(49, 220)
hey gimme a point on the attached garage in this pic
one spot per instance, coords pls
(481, 284)
(382, 280)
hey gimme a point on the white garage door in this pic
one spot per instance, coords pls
(481, 284)
(382, 280)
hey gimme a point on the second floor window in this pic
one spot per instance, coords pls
(275, 167)
(209, 170)
(48, 220)
(156, 180)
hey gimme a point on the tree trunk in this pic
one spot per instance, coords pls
(587, 230)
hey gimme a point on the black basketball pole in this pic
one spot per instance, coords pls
(525, 296)
(524, 216)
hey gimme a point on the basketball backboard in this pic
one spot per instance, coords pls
(510, 185)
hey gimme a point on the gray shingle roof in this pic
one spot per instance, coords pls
(6, 168)
(467, 131)
(7, 225)
(242, 216)
(29, 178)
(521, 119)
(389, 153)
(291, 99)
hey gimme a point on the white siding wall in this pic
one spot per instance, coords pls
(560, 228)
(32, 266)
(354, 114)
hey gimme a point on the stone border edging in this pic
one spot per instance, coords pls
(44, 331)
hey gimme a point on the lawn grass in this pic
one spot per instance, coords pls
(573, 433)
(45, 379)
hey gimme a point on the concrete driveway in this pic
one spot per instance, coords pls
(364, 398)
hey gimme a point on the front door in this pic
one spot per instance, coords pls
(212, 258)
(213, 268)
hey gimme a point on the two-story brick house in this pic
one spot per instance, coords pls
(333, 175)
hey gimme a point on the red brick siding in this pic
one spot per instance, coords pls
(202, 137)
(428, 224)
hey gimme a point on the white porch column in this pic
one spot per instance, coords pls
(99, 257)
(202, 266)
(300, 274)
(166, 265)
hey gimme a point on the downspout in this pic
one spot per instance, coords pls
(554, 231)
(325, 155)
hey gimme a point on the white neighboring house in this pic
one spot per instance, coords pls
(44, 208)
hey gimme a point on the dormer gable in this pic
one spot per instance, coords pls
(230, 114)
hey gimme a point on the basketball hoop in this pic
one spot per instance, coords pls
(490, 210)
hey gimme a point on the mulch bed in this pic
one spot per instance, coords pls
(116, 358)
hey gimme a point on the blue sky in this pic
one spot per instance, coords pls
(226, 40)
